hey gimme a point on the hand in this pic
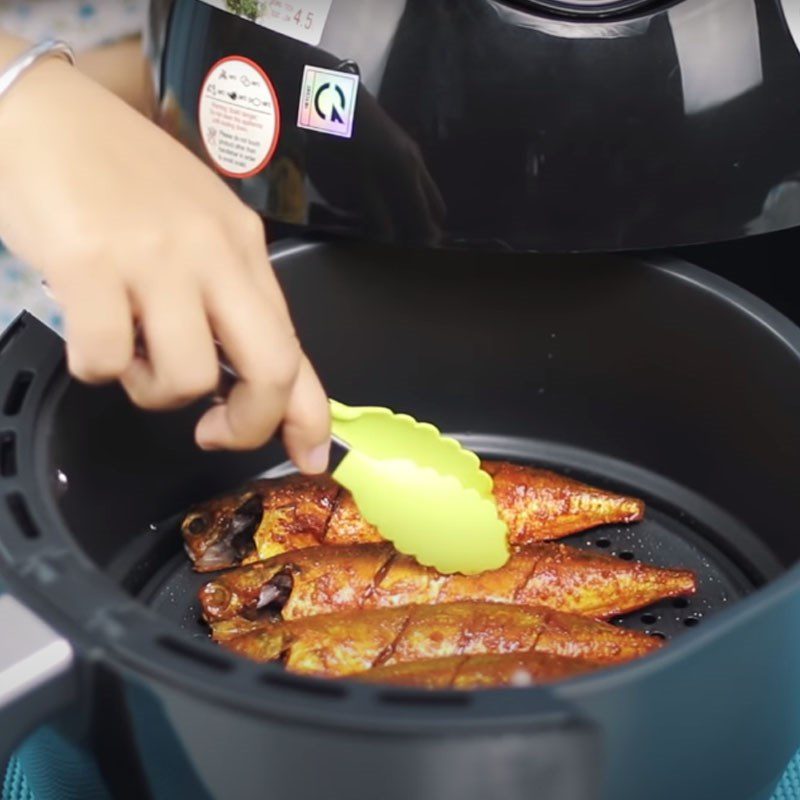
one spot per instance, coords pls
(131, 230)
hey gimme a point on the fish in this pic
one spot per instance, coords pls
(335, 645)
(328, 579)
(509, 670)
(273, 516)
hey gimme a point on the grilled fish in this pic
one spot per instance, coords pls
(324, 580)
(275, 516)
(480, 672)
(356, 641)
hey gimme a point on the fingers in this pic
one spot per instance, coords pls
(225, 290)
(254, 253)
(307, 424)
(306, 420)
(266, 355)
(181, 361)
(99, 327)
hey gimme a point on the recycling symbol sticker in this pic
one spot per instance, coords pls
(328, 101)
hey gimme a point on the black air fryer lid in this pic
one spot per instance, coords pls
(551, 125)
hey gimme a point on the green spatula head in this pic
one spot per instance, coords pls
(423, 491)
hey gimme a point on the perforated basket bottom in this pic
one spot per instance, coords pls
(681, 529)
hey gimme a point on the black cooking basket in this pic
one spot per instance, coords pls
(647, 376)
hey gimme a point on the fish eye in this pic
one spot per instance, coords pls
(198, 524)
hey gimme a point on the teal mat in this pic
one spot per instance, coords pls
(789, 788)
(16, 786)
(49, 767)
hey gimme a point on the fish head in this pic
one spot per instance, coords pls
(253, 595)
(222, 533)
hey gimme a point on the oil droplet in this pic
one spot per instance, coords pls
(62, 482)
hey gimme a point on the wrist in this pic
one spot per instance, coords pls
(32, 57)
(31, 88)
(10, 48)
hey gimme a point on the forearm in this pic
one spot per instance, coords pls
(120, 67)
(19, 106)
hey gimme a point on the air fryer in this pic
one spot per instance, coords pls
(481, 131)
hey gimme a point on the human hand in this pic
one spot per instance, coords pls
(133, 232)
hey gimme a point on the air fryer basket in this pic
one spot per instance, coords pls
(651, 377)
(728, 566)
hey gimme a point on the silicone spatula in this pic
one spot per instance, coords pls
(423, 491)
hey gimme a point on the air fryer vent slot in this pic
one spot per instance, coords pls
(422, 699)
(198, 656)
(8, 455)
(17, 393)
(22, 516)
(317, 688)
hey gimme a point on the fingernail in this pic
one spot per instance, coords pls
(316, 460)
(209, 447)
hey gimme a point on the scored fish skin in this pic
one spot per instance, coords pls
(479, 672)
(578, 637)
(324, 580)
(599, 586)
(540, 505)
(341, 644)
(301, 511)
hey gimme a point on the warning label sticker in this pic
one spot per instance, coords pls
(239, 117)
(328, 101)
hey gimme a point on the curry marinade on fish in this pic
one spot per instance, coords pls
(273, 516)
(323, 580)
(491, 671)
(336, 645)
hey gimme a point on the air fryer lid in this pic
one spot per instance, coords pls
(547, 125)
(652, 377)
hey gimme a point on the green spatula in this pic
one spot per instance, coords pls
(423, 491)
